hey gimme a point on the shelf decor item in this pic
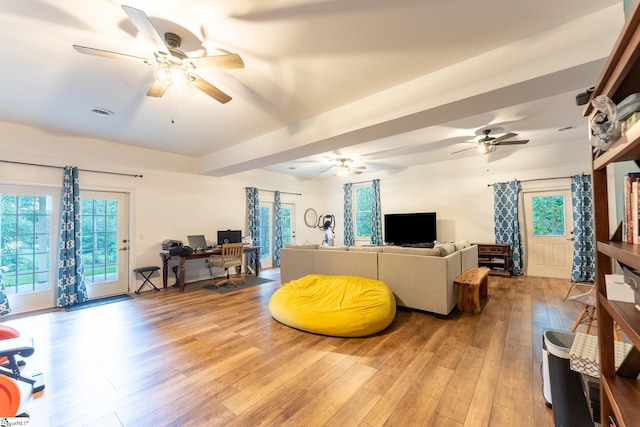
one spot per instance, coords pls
(605, 128)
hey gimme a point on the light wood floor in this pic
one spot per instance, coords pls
(205, 359)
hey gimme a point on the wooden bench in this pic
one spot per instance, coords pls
(471, 285)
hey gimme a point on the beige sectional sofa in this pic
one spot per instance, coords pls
(420, 278)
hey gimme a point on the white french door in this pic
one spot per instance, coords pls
(29, 218)
(287, 213)
(105, 242)
(29, 230)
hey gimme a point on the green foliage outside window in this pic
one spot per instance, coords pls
(363, 201)
(99, 222)
(24, 242)
(285, 215)
(548, 215)
(265, 233)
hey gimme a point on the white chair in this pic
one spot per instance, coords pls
(588, 313)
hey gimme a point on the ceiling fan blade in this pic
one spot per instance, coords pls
(227, 61)
(505, 136)
(157, 89)
(109, 54)
(211, 90)
(358, 167)
(519, 142)
(146, 28)
(465, 149)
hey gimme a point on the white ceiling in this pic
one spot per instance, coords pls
(388, 84)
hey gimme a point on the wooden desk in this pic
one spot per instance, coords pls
(199, 255)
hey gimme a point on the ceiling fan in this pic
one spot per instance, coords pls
(487, 144)
(343, 169)
(171, 66)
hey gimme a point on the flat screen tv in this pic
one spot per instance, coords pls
(229, 236)
(410, 228)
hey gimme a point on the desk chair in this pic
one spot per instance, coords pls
(230, 257)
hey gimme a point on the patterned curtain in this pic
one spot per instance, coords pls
(583, 268)
(507, 224)
(253, 221)
(349, 236)
(4, 301)
(376, 215)
(277, 229)
(71, 288)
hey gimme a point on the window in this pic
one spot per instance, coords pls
(363, 195)
(285, 216)
(99, 240)
(548, 215)
(265, 232)
(25, 236)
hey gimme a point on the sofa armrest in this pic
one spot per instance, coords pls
(421, 282)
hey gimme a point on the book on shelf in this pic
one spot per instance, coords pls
(631, 203)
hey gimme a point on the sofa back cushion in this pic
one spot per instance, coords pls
(446, 248)
(375, 249)
(346, 263)
(307, 246)
(295, 263)
(332, 248)
(410, 251)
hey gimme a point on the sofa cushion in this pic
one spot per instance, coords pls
(461, 244)
(376, 249)
(307, 246)
(445, 248)
(343, 306)
(411, 251)
(332, 248)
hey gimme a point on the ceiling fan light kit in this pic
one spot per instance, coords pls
(485, 148)
(343, 169)
(488, 144)
(171, 66)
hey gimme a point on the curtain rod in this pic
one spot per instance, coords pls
(542, 179)
(62, 167)
(360, 182)
(281, 192)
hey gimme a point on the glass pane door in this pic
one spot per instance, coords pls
(105, 242)
(28, 220)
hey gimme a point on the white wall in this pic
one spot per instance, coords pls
(173, 200)
(458, 190)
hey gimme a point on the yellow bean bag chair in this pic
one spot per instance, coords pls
(341, 306)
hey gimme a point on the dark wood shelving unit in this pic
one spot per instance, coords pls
(619, 389)
(496, 257)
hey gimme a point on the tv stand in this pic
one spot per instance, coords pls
(495, 257)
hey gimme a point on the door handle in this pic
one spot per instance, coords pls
(124, 248)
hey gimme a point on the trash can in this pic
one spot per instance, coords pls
(567, 396)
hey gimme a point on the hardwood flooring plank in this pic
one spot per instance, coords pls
(201, 358)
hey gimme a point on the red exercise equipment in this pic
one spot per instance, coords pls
(12, 346)
(7, 332)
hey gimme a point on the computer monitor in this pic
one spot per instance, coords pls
(229, 236)
(197, 241)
